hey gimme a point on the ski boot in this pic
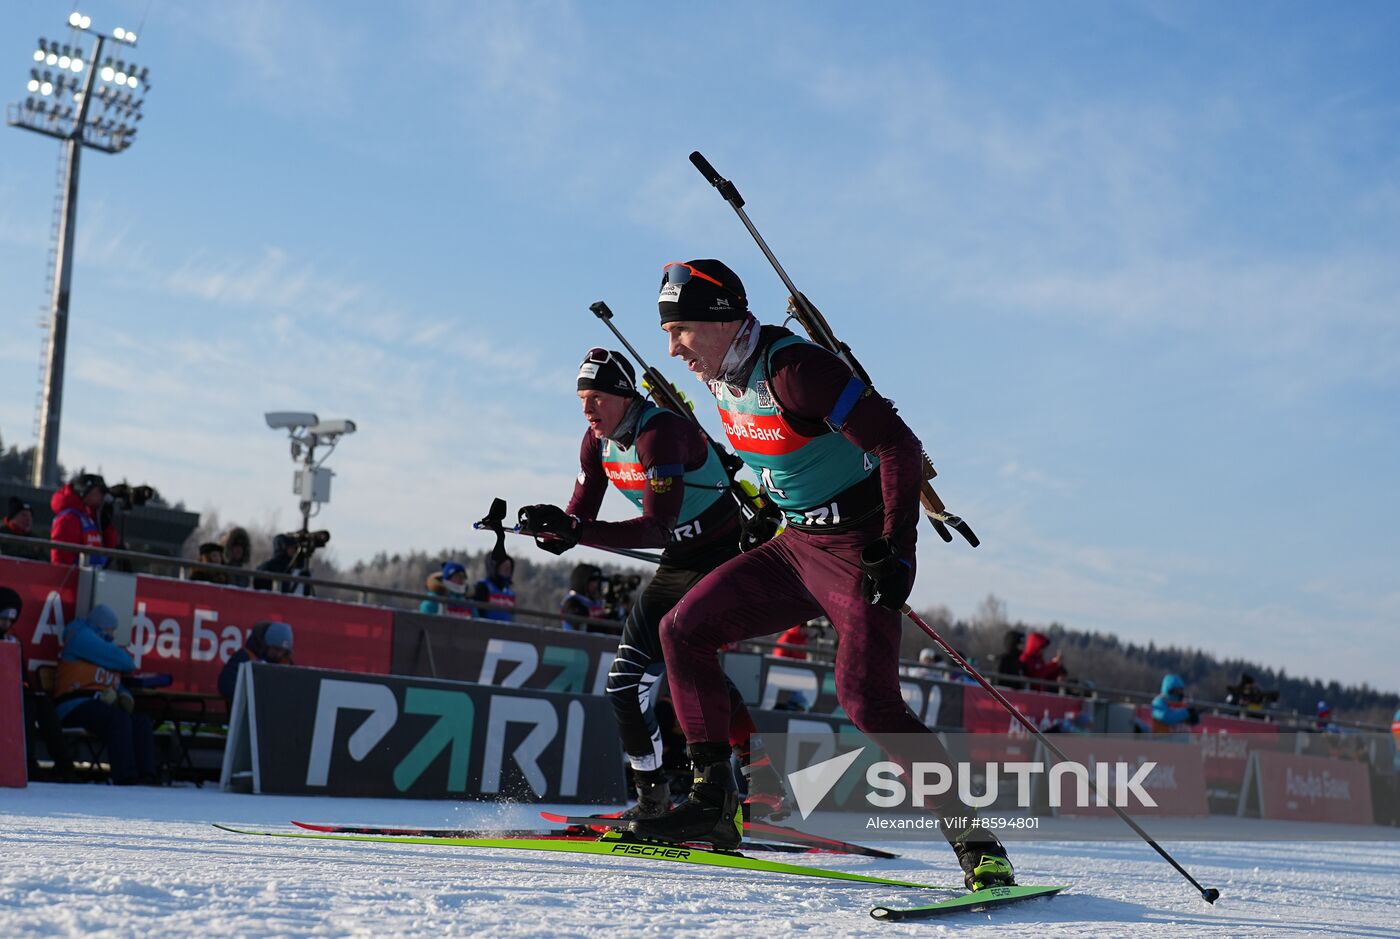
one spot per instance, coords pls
(653, 795)
(983, 861)
(710, 813)
(767, 798)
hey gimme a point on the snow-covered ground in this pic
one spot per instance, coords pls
(100, 861)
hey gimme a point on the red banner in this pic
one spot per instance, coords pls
(1177, 783)
(14, 771)
(1300, 788)
(189, 630)
(983, 715)
(50, 595)
(1225, 743)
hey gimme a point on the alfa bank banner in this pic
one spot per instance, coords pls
(1225, 744)
(1300, 788)
(189, 630)
(50, 597)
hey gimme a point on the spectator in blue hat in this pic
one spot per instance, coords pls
(268, 641)
(1324, 722)
(1170, 712)
(495, 588)
(448, 590)
(90, 696)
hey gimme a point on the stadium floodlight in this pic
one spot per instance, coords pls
(79, 127)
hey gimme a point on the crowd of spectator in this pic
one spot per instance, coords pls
(83, 512)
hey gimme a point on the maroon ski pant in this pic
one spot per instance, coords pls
(795, 577)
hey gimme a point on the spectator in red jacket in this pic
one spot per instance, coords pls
(793, 643)
(77, 508)
(1033, 663)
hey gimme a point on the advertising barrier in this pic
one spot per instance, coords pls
(1298, 788)
(189, 630)
(1176, 783)
(50, 596)
(983, 715)
(14, 769)
(1225, 743)
(773, 683)
(314, 731)
(508, 655)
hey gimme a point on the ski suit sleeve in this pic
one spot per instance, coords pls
(817, 387)
(666, 447)
(591, 484)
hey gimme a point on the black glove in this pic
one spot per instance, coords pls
(888, 577)
(761, 528)
(1193, 716)
(550, 520)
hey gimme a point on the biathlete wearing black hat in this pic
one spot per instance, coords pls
(665, 467)
(845, 470)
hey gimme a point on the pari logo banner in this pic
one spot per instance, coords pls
(846, 785)
(337, 733)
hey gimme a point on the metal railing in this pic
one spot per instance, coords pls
(360, 591)
(820, 651)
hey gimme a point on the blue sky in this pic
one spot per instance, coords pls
(1129, 271)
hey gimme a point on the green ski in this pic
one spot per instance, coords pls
(616, 846)
(981, 900)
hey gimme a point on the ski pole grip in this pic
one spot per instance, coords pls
(600, 310)
(725, 187)
(706, 170)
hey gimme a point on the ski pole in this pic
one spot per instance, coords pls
(1209, 894)
(495, 522)
(820, 331)
(666, 395)
(625, 552)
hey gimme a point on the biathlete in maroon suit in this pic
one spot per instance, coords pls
(845, 470)
(661, 462)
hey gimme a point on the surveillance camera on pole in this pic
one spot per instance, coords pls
(311, 482)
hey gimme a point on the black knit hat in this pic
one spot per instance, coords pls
(16, 506)
(10, 602)
(704, 290)
(602, 370)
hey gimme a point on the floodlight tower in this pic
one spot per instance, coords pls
(63, 104)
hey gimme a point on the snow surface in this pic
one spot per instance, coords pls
(101, 861)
